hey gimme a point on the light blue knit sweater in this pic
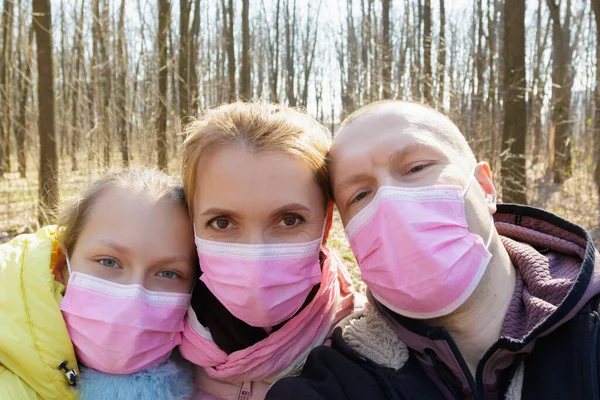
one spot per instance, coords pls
(172, 380)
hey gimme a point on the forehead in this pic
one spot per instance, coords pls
(234, 175)
(128, 216)
(391, 130)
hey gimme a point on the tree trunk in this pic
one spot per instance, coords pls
(78, 52)
(164, 10)
(24, 83)
(441, 70)
(492, 24)
(290, 41)
(121, 94)
(386, 68)
(596, 8)
(514, 183)
(428, 77)
(184, 61)
(560, 94)
(274, 59)
(194, 86)
(48, 176)
(245, 84)
(230, 53)
(5, 85)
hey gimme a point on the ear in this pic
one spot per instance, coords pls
(483, 174)
(59, 269)
(328, 221)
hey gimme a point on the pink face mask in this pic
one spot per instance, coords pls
(415, 251)
(261, 284)
(121, 329)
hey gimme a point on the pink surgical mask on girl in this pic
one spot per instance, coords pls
(260, 284)
(415, 251)
(121, 329)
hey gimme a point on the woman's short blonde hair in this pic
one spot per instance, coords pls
(258, 127)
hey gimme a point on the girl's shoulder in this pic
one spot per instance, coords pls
(172, 380)
(33, 336)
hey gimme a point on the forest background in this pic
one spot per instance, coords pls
(89, 85)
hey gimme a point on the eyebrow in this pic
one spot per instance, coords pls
(407, 151)
(288, 208)
(116, 246)
(353, 179)
(219, 211)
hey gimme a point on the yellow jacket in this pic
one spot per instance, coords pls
(33, 335)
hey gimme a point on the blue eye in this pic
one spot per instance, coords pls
(168, 275)
(108, 263)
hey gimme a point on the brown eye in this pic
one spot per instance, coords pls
(220, 224)
(291, 220)
(417, 168)
(360, 196)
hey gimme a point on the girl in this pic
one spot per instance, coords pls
(256, 182)
(124, 252)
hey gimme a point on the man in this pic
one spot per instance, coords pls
(460, 305)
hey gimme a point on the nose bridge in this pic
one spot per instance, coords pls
(138, 275)
(385, 176)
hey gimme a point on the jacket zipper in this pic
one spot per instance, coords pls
(594, 355)
(477, 394)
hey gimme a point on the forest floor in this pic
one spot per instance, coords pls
(575, 200)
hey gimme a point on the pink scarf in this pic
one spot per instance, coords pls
(283, 352)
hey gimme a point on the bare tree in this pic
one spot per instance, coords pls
(596, 8)
(194, 34)
(245, 84)
(273, 43)
(23, 88)
(290, 49)
(5, 85)
(441, 71)
(514, 183)
(164, 17)
(386, 70)
(428, 77)
(185, 7)
(121, 92)
(561, 93)
(230, 43)
(48, 176)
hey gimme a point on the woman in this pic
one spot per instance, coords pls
(257, 186)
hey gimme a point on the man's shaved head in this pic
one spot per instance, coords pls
(416, 116)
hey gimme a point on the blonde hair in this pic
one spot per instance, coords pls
(258, 127)
(73, 216)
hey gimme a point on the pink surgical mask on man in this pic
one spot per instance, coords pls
(260, 284)
(415, 251)
(121, 329)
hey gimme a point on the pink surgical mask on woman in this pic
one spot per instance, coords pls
(260, 284)
(415, 251)
(121, 329)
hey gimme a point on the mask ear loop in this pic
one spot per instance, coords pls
(68, 265)
(470, 181)
(491, 235)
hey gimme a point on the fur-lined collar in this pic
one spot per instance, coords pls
(369, 334)
(172, 380)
